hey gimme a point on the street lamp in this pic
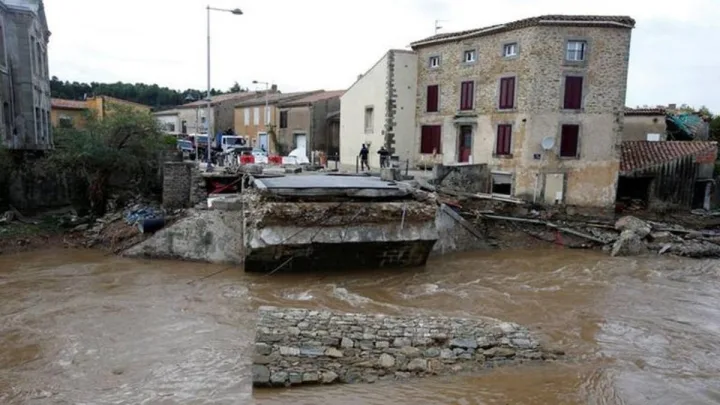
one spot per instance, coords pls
(235, 11)
(267, 92)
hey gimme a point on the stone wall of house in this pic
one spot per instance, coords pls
(183, 185)
(471, 178)
(636, 127)
(539, 70)
(300, 346)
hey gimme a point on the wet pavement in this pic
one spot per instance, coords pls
(81, 327)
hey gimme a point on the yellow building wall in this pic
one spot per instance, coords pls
(77, 116)
(252, 130)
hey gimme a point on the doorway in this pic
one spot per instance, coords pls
(300, 141)
(263, 141)
(465, 144)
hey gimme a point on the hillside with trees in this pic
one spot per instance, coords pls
(148, 94)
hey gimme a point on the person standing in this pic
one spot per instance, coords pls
(384, 157)
(364, 157)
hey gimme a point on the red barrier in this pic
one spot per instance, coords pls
(247, 159)
(275, 160)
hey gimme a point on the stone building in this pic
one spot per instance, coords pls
(24, 75)
(379, 109)
(306, 122)
(644, 124)
(191, 117)
(539, 100)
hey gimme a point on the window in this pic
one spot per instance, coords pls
(247, 116)
(510, 49)
(434, 61)
(256, 116)
(2, 46)
(503, 143)
(467, 95)
(48, 126)
(433, 98)
(32, 55)
(169, 127)
(470, 56)
(430, 139)
(573, 92)
(501, 183)
(38, 128)
(576, 51)
(44, 122)
(184, 127)
(283, 119)
(369, 120)
(7, 120)
(569, 137)
(507, 93)
(38, 55)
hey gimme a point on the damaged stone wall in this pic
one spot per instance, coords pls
(183, 185)
(300, 346)
(469, 178)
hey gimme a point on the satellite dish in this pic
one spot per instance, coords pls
(548, 142)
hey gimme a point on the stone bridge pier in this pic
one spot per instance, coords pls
(300, 346)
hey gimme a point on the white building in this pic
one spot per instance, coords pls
(379, 109)
(169, 121)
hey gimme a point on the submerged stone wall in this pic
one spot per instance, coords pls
(300, 346)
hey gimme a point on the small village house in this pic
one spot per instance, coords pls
(379, 110)
(254, 120)
(667, 174)
(74, 113)
(644, 124)
(539, 100)
(306, 122)
(191, 118)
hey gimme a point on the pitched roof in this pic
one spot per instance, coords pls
(275, 98)
(639, 155)
(63, 104)
(240, 96)
(645, 111)
(315, 97)
(554, 20)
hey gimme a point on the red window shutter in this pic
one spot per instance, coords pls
(430, 138)
(573, 92)
(467, 94)
(569, 138)
(507, 93)
(503, 143)
(432, 98)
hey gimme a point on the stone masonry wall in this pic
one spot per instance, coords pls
(183, 185)
(539, 69)
(300, 346)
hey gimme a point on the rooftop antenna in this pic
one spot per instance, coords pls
(438, 26)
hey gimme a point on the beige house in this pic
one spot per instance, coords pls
(379, 109)
(306, 122)
(191, 118)
(644, 124)
(539, 100)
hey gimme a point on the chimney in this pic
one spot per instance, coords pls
(273, 88)
(359, 77)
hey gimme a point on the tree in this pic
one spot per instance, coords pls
(125, 144)
(715, 128)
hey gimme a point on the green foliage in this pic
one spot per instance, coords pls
(147, 94)
(126, 145)
(715, 128)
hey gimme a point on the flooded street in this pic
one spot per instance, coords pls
(80, 327)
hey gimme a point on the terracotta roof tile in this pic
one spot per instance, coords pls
(570, 20)
(316, 97)
(640, 155)
(61, 103)
(645, 111)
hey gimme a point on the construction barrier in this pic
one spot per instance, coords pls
(275, 160)
(247, 159)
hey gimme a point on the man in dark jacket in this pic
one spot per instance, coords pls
(364, 158)
(384, 157)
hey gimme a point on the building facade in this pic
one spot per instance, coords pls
(306, 123)
(540, 101)
(644, 124)
(192, 117)
(257, 117)
(75, 113)
(24, 75)
(169, 121)
(379, 110)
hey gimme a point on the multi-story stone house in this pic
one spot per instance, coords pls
(540, 101)
(24, 76)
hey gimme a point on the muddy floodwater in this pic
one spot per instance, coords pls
(84, 328)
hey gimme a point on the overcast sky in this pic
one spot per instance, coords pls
(313, 44)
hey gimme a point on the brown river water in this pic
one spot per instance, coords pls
(80, 327)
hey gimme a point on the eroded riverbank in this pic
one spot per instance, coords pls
(644, 330)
